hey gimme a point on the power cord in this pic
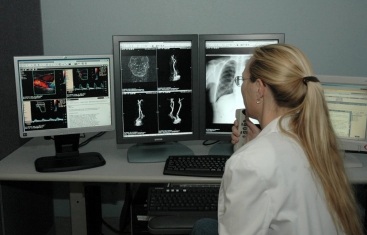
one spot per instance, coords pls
(205, 142)
(91, 138)
(82, 136)
(124, 216)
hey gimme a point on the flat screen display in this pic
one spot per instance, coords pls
(223, 59)
(60, 95)
(157, 88)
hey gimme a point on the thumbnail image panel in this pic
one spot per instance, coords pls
(140, 114)
(223, 94)
(138, 66)
(43, 84)
(45, 114)
(87, 82)
(175, 112)
(174, 68)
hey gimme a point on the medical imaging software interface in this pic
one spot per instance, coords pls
(65, 94)
(348, 109)
(156, 88)
(225, 61)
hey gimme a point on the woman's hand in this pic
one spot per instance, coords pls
(235, 132)
(252, 131)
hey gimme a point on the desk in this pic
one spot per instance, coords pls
(19, 166)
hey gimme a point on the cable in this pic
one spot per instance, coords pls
(125, 211)
(211, 143)
(82, 136)
(124, 216)
(111, 228)
(91, 138)
(114, 230)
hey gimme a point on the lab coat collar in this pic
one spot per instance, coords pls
(274, 127)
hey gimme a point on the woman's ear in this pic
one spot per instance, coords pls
(260, 87)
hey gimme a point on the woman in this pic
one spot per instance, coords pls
(289, 178)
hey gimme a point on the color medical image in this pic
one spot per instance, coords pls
(90, 81)
(46, 114)
(82, 74)
(44, 82)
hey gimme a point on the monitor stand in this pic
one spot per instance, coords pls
(67, 157)
(221, 148)
(156, 152)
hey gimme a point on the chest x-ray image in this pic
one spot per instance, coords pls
(223, 94)
(138, 68)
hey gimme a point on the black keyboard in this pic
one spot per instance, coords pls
(196, 165)
(179, 200)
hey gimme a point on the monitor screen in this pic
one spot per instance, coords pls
(222, 59)
(64, 95)
(346, 98)
(156, 90)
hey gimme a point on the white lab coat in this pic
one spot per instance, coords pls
(268, 188)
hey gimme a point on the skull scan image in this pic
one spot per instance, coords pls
(176, 119)
(139, 119)
(224, 95)
(139, 65)
(175, 76)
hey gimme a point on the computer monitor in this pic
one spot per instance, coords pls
(222, 58)
(346, 98)
(64, 96)
(156, 94)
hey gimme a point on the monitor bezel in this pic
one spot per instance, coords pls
(62, 131)
(120, 139)
(202, 75)
(347, 144)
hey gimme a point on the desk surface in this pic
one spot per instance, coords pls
(19, 165)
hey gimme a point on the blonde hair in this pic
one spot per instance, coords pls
(282, 68)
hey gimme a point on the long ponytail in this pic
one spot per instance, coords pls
(282, 67)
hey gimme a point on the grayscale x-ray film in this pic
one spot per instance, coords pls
(224, 95)
(174, 71)
(175, 117)
(139, 119)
